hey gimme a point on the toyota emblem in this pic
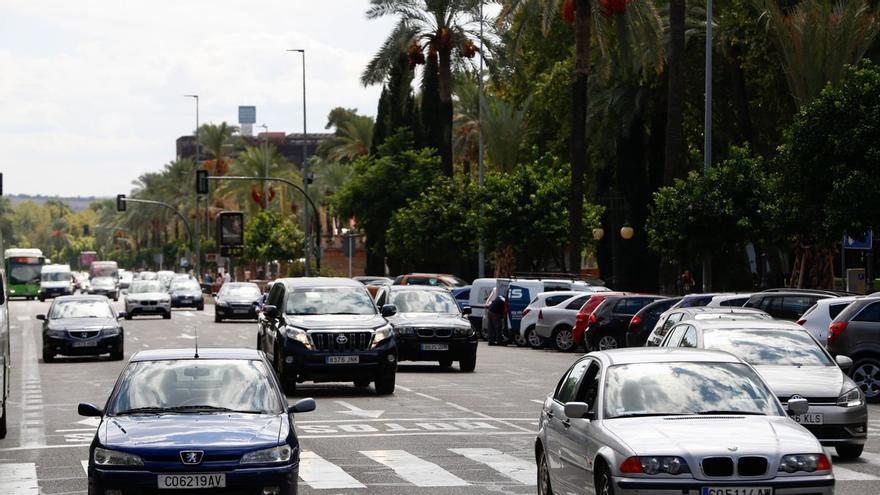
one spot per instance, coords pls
(191, 457)
(341, 339)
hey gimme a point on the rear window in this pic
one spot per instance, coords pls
(735, 302)
(835, 309)
(554, 300)
(870, 313)
(632, 305)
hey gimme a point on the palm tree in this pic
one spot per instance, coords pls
(217, 141)
(675, 148)
(352, 139)
(252, 162)
(817, 39)
(437, 29)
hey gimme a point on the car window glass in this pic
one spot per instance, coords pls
(382, 296)
(672, 320)
(276, 295)
(835, 309)
(689, 339)
(734, 302)
(767, 346)
(423, 301)
(675, 337)
(577, 303)
(555, 286)
(569, 385)
(589, 388)
(794, 306)
(870, 313)
(623, 306)
(554, 300)
(80, 309)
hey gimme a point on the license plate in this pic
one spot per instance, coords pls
(191, 481)
(811, 419)
(343, 359)
(241, 311)
(736, 490)
(86, 343)
(435, 347)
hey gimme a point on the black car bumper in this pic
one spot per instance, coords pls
(69, 346)
(238, 481)
(435, 349)
(44, 293)
(112, 294)
(236, 312)
(187, 302)
(318, 366)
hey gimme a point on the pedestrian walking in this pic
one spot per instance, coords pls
(496, 320)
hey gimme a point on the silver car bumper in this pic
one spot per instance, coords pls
(794, 485)
(840, 425)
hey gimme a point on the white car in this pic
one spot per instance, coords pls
(818, 318)
(147, 297)
(729, 300)
(530, 314)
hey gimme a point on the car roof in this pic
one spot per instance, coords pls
(632, 355)
(728, 296)
(842, 299)
(751, 324)
(717, 310)
(319, 282)
(425, 288)
(189, 353)
(82, 297)
(793, 292)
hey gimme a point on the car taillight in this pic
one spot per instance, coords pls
(835, 330)
(540, 314)
(636, 321)
(593, 318)
(580, 318)
(801, 322)
(526, 311)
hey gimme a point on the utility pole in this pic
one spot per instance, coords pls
(197, 242)
(265, 166)
(305, 168)
(707, 132)
(481, 250)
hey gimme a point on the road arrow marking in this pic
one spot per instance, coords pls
(90, 422)
(356, 411)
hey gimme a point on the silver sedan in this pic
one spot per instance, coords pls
(673, 421)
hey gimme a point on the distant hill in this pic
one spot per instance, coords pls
(76, 204)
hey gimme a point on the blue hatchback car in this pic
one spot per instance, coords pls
(208, 420)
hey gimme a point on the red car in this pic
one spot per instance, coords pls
(582, 320)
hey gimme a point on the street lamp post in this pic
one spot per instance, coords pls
(265, 166)
(305, 168)
(197, 242)
(707, 132)
(481, 250)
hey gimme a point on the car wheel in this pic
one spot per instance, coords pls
(544, 486)
(849, 451)
(604, 483)
(866, 374)
(42, 299)
(606, 342)
(385, 383)
(468, 363)
(445, 363)
(362, 383)
(217, 318)
(563, 338)
(167, 316)
(117, 355)
(533, 339)
(48, 356)
(201, 307)
(519, 340)
(288, 382)
(3, 421)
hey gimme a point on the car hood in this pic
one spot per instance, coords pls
(705, 435)
(193, 293)
(190, 430)
(82, 323)
(428, 320)
(335, 322)
(806, 381)
(147, 296)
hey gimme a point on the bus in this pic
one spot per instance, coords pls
(5, 347)
(23, 267)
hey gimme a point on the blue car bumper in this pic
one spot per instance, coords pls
(280, 479)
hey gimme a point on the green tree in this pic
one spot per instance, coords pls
(270, 235)
(352, 137)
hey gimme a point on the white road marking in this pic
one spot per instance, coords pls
(536, 401)
(45, 447)
(85, 465)
(33, 433)
(410, 434)
(415, 470)
(24, 318)
(353, 410)
(19, 478)
(427, 396)
(321, 474)
(517, 469)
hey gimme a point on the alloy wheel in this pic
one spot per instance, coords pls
(867, 377)
(544, 477)
(606, 342)
(564, 339)
(520, 341)
(533, 338)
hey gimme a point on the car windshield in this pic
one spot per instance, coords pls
(145, 287)
(103, 281)
(80, 309)
(242, 291)
(767, 346)
(676, 388)
(55, 276)
(196, 386)
(423, 301)
(330, 301)
(186, 285)
(148, 276)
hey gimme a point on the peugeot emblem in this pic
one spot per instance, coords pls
(341, 339)
(191, 457)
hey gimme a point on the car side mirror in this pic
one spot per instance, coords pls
(845, 362)
(798, 406)
(270, 311)
(388, 310)
(578, 410)
(466, 310)
(302, 406)
(121, 314)
(86, 409)
(41, 317)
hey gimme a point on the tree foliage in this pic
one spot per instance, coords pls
(270, 235)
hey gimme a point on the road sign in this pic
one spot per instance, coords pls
(864, 242)
(120, 202)
(230, 228)
(211, 257)
(349, 246)
(201, 182)
(247, 115)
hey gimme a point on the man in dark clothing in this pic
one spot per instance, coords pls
(496, 320)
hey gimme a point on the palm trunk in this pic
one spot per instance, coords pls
(446, 109)
(674, 159)
(579, 134)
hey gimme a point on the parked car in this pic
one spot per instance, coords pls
(697, 300)
(555, 324)
(210, 420)
(610, 320)
(432, 279)
(639, 421)
(81, 326)
(462, 295)
(186, 293)
(855, 332)
(582, 320)
(729, 300)
(530, 315)
(374, 280)
(788, 305)
(818, 318)
(165, 276)
(147, 297)
(328, 330)
(668, 319)
(642, 324)
(795, 365)
(428, 326)
(236, 301)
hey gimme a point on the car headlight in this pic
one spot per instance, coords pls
(655, 465)
(851, 398)
(107, 457)
(380, 334)
(404, 331)
(281, 453)
(56, 333)
(464, 332)
(299, 335)
(804, 462)
(221, 303)
(109, 332)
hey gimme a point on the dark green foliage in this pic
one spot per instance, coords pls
(431, 110)
(270, 236)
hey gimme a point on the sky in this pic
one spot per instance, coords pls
(91, 92)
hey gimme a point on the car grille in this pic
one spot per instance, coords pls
(722, 467)
(443, 333)
(718, 467)
(751, 466)
(814, 401)
(84, 334)
(341, 341)
(205, 459)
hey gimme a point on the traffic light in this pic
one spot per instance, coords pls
(201, 182)
(120, 202)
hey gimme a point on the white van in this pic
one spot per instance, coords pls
(55, 280)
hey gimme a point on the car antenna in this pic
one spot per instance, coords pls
(196, 331)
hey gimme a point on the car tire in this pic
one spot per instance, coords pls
(604, 484)
(288, 383)
(201, 307)
(519, 340)
(534, 340)
(217, 318)
(849, 451)
(605, 342)
(385, 383)
(48, 356)
(563, 338)
(117, 355)
(544, 485)
(866, 373)
(42, 299)
(445, 363)
(468, 363)
(167, 316)
(3, 421)
(362, 383)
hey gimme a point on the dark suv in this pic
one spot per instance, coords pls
(856, 333)
(327, 330)
(785, 305)
(609, 322)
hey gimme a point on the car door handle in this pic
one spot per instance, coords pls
(567, 423)
(549, 414)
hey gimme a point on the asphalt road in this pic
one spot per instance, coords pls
(442, 432)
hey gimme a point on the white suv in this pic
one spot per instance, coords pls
(818, 318)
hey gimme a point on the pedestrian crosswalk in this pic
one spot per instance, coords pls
(472, 466)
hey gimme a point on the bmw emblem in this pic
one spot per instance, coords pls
(191, 457)
(341, 339)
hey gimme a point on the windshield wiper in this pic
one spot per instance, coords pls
(343, 313)
(142, 410)
(722, 411)
(206, 408)
(646, 414)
